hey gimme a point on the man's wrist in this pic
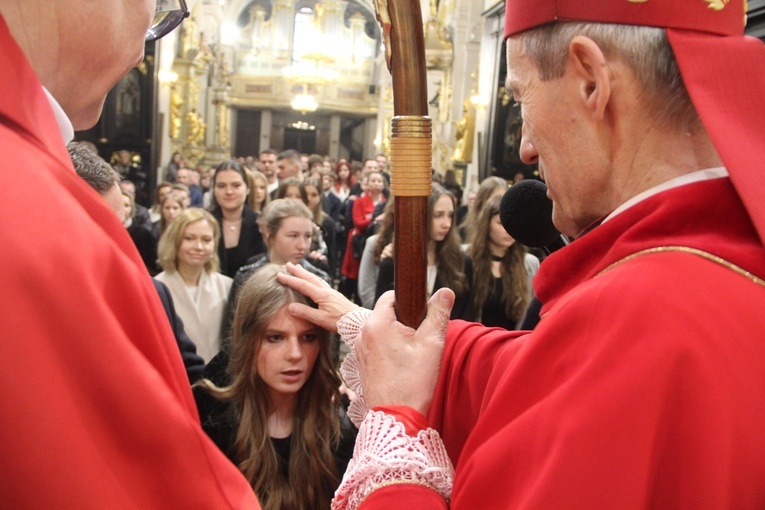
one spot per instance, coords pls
(412, 419)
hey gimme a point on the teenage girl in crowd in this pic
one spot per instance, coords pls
(491, 186)
(312, 190)
(189, 256)
(258, 190)
(502, 271)
(162, 189)
(448, 265)
(363, 209)
(290, 188)
(287, 228)
(170, 207)
(344, 180)
(240, 236)
(176, 162)
(377, 247)
(273, 405)
(294, 189)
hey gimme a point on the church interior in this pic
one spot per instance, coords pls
(242, 76)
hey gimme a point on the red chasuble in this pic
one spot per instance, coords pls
(96, 408)
(643, 385)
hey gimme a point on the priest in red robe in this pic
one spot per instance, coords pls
(96, 408)
(643, 384)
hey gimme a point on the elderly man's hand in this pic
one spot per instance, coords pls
(400, 365)
(332, 304)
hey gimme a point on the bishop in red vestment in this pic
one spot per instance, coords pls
(96, 408)
(643, 384)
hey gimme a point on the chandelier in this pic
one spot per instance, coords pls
(304, 103)
(312, 53)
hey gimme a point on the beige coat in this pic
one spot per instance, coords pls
(202, 320)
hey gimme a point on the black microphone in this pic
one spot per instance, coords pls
(526, 213)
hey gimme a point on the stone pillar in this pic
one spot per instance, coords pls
(266, 122)
(334, 137)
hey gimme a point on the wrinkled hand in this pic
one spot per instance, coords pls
(400, 365)
(332, 304)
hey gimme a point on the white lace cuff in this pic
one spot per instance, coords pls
(349, 328)
(386, 455)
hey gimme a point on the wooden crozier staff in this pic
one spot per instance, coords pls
(410, 152)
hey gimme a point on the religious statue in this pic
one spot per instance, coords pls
(205, 50)
(434, 8)
(221, 70)
(463, 152)
(175, 114)
(189, 40)
(196, 133)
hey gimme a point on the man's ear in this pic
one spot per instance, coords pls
(592, 72)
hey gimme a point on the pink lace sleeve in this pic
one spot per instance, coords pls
(385, 454)
(349, 328)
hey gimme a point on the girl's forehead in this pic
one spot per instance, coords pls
(228, 176)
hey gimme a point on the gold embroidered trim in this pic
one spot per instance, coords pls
(717, 5)
(692, 251)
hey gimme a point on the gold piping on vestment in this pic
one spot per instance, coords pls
(684, 249)
(692, 251)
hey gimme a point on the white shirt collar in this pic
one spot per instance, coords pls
(64, 124)
(700, 175)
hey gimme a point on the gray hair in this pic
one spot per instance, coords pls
(92, 168)
(645, 50)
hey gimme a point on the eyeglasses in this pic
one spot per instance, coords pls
(165, 21)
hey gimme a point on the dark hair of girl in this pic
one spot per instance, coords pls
(516, 294)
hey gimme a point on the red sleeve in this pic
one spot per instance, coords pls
(602, 408)
(404, 497)
(470, 354)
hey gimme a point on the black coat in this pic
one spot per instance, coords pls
(331, 205)
(329, 233)
(250, 243)
(146, 244)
